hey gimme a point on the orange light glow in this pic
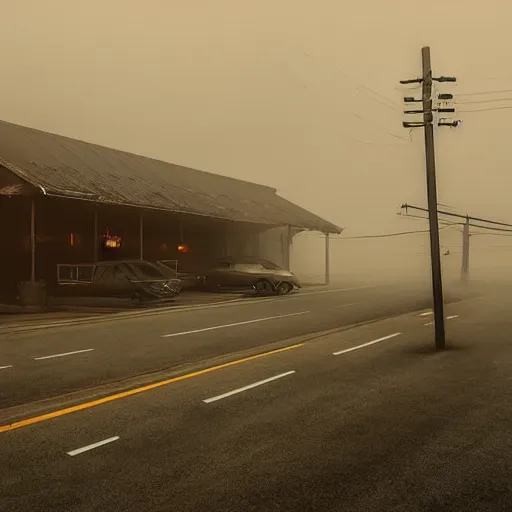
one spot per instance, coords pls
(111, 242)
(183, 248)
(72, 239)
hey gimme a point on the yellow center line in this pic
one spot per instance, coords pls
(135, 391)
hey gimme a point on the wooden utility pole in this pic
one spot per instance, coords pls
(435, 254)
(427, 110)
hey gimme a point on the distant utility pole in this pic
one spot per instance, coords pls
(465, 250)
(427, 124)
(469, 221)
(327, 260)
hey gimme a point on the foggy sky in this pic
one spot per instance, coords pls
(272, 92)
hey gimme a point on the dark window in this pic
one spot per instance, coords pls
(128, 271)
(103, 275)
(166, 271)
(269, 265)
(98, 273)
(147, 270)
(120, 273)
(224, 264)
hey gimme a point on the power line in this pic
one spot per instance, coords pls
(492, 229)
(360, 87)
(375, 126)
(383, 235)
(344, 134)
(490, 234)
(358, 116)
(483, 92)
(401, 233)
(384, 101)
(445, 205)
(458, 215)
(441, 221)
(479, 226)
(485, 109)
(386, 235)
(482, 101)
(472, 224)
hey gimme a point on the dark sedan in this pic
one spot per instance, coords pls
(127, 278)
(262, 276)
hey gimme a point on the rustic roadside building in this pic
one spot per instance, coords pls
(67, 201)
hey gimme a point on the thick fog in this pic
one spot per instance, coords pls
(298, 95)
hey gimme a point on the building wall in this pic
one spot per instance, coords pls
(274, 245)
(64, 234)
(15, 256)
(242, 241)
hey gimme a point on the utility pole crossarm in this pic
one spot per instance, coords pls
(445, 79)
(412, 81)
(413, 124)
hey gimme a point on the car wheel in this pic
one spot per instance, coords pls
(263, 286)
(284, 288)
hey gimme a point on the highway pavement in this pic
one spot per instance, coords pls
(46, 363)
(364, 419)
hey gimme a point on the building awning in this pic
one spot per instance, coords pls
(64, 167)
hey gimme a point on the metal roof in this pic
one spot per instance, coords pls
(65, 167)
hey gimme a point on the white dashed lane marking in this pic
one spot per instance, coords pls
(447, 318)
(378, 340)
(224, 326)
(78, 451)
(63, 354)
(245, 388)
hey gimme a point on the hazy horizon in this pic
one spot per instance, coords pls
(298, 97)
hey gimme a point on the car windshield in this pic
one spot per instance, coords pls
(170, 264)
(266, 264)
(223, 264)
(269, 265)
(248, 267)
(167, 268)
(147, 270)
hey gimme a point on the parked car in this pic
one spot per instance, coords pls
(261, 276)
(127, 279)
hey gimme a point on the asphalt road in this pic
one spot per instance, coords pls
(386, 424)
(52, 362)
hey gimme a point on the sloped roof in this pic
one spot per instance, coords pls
(66, 167)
